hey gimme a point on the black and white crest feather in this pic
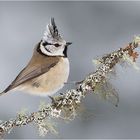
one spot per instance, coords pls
(51, 32)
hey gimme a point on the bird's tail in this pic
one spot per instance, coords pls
(2, 93)
(6, 90)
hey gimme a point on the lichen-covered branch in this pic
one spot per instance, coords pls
(65, 104)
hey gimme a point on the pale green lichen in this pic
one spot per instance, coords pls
(126, 58)
(23, 112)
(46, 126)
(106, 91)
(42, 105)
(136, 39)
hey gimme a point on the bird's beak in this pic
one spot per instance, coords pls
(68, 43)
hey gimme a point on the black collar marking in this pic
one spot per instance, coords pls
(65, 51)
(38, 49)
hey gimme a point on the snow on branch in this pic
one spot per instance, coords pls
(65, 105)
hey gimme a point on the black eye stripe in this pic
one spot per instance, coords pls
(46, 43)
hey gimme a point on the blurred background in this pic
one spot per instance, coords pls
(95, 28)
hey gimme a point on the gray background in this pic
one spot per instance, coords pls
(95, 28)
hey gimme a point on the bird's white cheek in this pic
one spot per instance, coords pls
(58, 52)
(43, 50)
(52, 51)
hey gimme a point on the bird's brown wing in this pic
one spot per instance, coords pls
(38, 65)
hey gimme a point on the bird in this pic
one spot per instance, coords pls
(48, 69)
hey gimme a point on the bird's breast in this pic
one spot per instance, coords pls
(51, 81)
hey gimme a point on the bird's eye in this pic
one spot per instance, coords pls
(56, 45)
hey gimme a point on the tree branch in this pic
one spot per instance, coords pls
(65, 104)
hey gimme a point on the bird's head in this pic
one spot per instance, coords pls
(52, 43)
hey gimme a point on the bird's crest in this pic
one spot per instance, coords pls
(51, 32)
